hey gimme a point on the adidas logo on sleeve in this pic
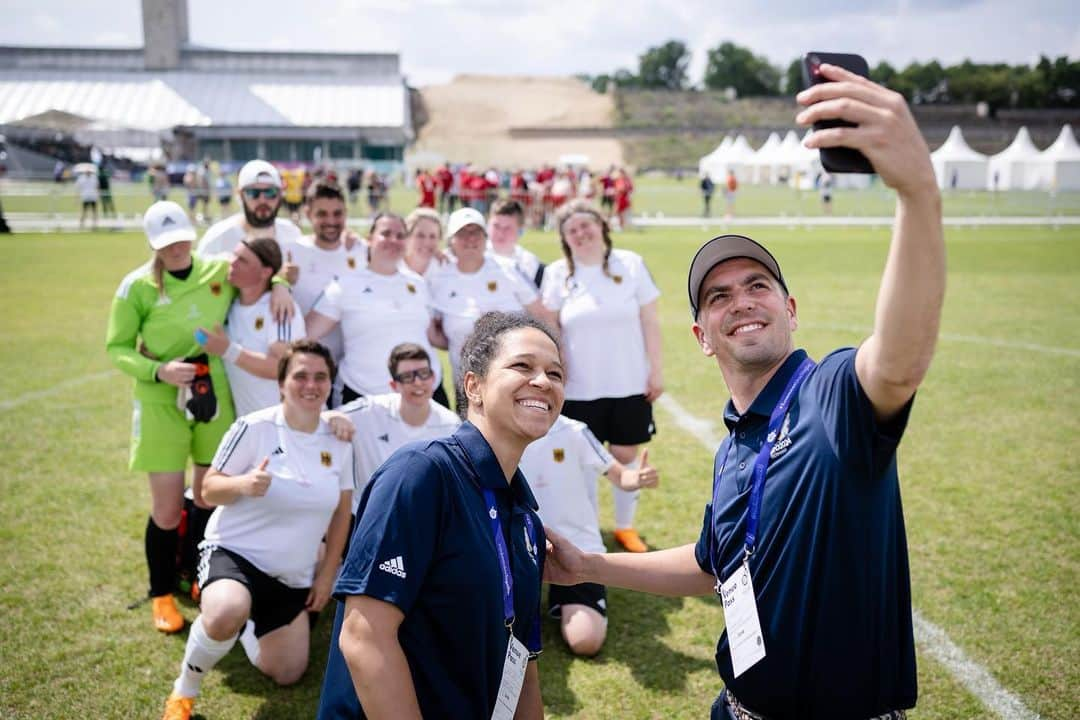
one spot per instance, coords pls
(394, 566)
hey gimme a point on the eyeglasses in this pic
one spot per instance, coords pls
(406, 378)
(253, 193)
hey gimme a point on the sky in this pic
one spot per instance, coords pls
(438, 39)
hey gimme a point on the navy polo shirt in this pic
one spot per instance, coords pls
(830, 569)
(423, 542)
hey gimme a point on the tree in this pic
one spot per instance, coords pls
(664, 67)
(623, 78)
(884, 74)
(793, 79)
(736, 67)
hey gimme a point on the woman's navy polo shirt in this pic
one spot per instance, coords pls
(830, 569)
(423, 542)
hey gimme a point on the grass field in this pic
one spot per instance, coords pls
(989, 469)
(653, 195)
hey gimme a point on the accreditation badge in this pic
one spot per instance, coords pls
(741, 618)
(513, 678)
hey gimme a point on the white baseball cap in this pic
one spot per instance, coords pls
(255, 172)
(166, 223)
(461, 218)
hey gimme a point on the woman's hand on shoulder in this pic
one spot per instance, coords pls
(340, 424)
(565, 563)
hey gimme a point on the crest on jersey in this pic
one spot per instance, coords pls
(492, 286)
(351, 261)
(259, 322)
(558, 454)
(411, 288)
(324, 457)
(617, 279)
(215, 288)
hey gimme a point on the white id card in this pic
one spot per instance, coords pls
(741, 617)
(513, 677)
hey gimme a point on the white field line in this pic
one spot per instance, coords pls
(660, 220)
(57, 388)
(977, 679)
(954, 337)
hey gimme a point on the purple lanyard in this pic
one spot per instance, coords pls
(504, 555)
(761, 464)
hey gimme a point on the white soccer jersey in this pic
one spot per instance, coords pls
(600, 316)
(254, 327)
(280, 532)
(525, 262)
(380, 431)
(461, 298)
(377, 312)
(222, 237)
(88, 187)
(562, 468)
(319, 268)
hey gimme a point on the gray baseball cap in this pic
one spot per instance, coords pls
(721, 249)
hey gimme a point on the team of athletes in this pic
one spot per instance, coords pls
(235, 374)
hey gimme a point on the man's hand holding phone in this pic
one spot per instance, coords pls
(884, 129)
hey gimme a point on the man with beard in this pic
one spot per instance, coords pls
(260, 189)
(326, 255)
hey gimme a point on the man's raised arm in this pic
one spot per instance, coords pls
(892, 362)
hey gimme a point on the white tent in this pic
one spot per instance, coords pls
(801, 163)
(956, 165)
(705, 164)
(1017, 167)
(1061, 162)
(739, 158)
(766, 158)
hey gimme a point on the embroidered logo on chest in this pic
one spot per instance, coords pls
(617, 279)
(259, 322)
(325, 459)
(351, 262)
(492, 286)
(215, 288)
(783, 443)
(558, 455)
(411, 288)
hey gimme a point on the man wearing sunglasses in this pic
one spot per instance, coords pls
(260, 190)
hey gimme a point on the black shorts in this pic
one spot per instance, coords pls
(273, 603)
(587, 594)
(619, 421)
(89, 204)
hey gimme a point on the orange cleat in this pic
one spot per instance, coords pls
(178, 707)
(630, 540)
(167, 618)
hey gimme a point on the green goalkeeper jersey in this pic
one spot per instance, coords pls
(163, 326)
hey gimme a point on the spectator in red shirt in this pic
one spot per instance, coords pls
(425, 185)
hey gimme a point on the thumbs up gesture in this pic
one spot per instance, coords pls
(643, 476)
(258, 480)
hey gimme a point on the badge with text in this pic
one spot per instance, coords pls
(513, 677)
(741, 618)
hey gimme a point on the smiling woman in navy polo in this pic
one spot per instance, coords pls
(445, 554)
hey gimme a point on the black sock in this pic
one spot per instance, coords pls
(161, 548)
(197, 518)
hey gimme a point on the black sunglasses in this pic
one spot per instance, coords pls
(253, 193)
(406, 378)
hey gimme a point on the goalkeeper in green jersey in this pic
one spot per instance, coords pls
(182, 404)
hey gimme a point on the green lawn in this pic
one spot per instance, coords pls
(652, 196)
(989, 469)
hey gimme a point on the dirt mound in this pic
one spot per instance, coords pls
(469, 119)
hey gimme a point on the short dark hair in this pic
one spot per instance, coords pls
(406, 351)
(510, 208)
(305, 347)
(325, 188)
(483, 344)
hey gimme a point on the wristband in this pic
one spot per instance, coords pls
(232, 353)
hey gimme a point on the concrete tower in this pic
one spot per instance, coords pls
(165, 33)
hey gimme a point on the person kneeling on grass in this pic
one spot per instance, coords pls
(281, 481)
(561, 468)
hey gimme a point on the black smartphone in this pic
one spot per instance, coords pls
(837, 159)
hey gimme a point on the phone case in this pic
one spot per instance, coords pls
(837, 159)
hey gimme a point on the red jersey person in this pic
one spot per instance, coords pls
(425, 186)
(623, 187)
